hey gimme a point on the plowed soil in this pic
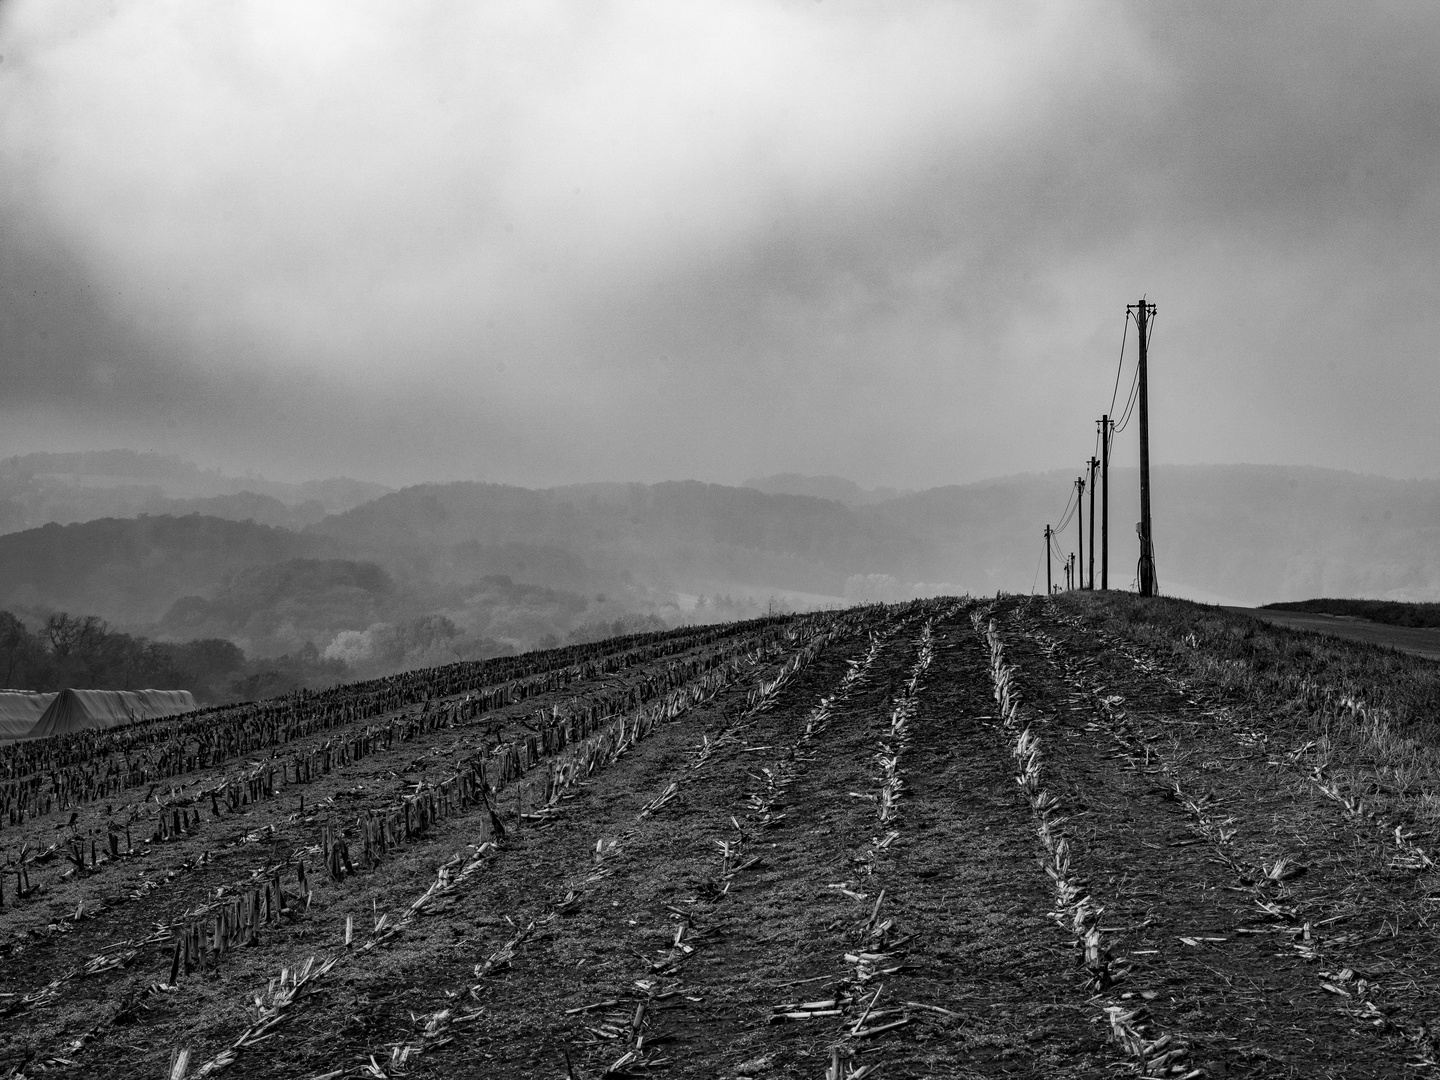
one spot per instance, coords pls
(832, 875)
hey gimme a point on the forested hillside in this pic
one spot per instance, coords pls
(132, 570)
(506, 567)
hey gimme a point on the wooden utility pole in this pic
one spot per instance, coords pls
(1143, 314)
(1080, 530)
(1104, 502)
(1094, 464)
(1049, 585)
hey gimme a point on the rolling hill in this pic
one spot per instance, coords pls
(521, 566)
(674, 535)
(131, 571)
(67, 488)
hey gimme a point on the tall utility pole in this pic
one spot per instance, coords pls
(1080, 529)
(1094, 464)
(1105, 426)
(1072, 570)
(1049, 587)
(1143, 314)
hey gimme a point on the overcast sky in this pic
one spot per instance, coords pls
(546, 242)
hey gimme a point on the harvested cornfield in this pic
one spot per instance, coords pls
(1074, 837)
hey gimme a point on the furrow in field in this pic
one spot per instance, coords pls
(108, 949)
(61, 773)
(388, 888)
(866, 1024)
(68, 889)
(274, 831)
(1315, 887)
(515, 898)
(747, 835)
(587, 954)
(752, 931)
(894, 944)
(744, 919)
(1185, 866)
(965, 887)
(1077, 907)
(186, 817)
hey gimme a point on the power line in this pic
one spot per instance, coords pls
(1120, 366)
(1135, 379)
(1055, 548)
(1130, 403)
(1069, 512)
(1135, 402)
(1065, 514)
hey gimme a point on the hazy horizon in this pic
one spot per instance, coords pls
(331, 570)
(1061, 473)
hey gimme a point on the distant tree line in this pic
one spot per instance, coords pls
(83, 651)
(51, 651)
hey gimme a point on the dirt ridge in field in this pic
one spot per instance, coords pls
(1065, 837)
(130, 1001)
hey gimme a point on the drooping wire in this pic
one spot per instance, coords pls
(1121, 365)
(1068, 513)
(1135, 379)
(1107, 433)
(1130, 401)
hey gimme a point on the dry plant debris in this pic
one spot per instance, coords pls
(1097, 834)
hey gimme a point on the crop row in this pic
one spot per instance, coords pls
(628, 1022)
(560, 727)
(1154, 1053)
(1361, 996)
(60, 772)
(600, 1020)
(571, 763)
(205, 936)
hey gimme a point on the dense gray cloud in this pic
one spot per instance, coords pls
(559, 241)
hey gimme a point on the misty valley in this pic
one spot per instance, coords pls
(242, 587)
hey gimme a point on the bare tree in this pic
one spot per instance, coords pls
(74, 634)
(17, 646)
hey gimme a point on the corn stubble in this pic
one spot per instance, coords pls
(1361, 754)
